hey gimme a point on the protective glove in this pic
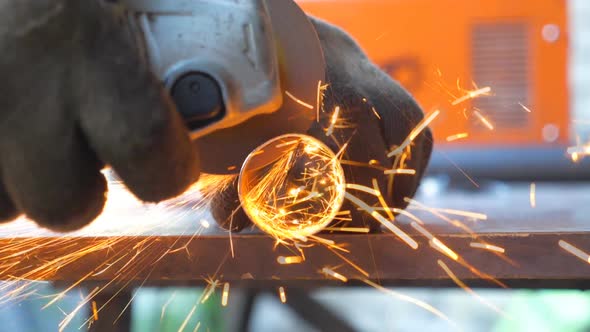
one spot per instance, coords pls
(75, 95)
(380, 115)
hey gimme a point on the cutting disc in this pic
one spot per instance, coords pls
(302, 66)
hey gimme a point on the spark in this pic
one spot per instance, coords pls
(575, 157)
(461, 284)
(282, 295)
(524, 107)
(404, 171)
(365, 189)
(349, 229)
(333, 121)
(69, 317)
(485, 91)
(94, 311)
(298, 101)
(376, 113)
(349, 262)
(411, 300)
(205, 223)
(574, 251)
(210, 289)
(187, 319)
(457, 137)
(483, 120)
(298, 192)
(329, 272)
(225, 294)
(532, 195)
(319, 99)
(486, 246)
(453, 222)
(579, 150)
(435, 242)
(382, 200)
(462, 213)
(289, 260)
(414, 133)
(377, 216)
(165, 306)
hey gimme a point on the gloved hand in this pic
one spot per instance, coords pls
(358, 87)
(74, 96)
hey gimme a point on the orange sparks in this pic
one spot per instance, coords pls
(434, 242)
(525, 108)
(282, 295)
(574, 251)
(365, 189)
(486, 246)
(533, 195)
(298, 101)
(575, 157)
(94, 311)
(377, 216)
(319, 99)
(414, 133)
(483, 120)
(348, 229)
(468, 214)
(579, 151)
(461, 284)
(187, 318)
(335, 116)
(289, 260)
(209, 290)
(485, 91)
(409, 299)
(225, 294)
(457, 137)
(400, 171)
(329, 272)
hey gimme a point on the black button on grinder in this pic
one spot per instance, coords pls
(199, 99)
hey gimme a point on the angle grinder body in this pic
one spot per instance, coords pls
(228, 65)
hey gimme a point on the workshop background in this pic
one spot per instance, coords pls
(366, 309)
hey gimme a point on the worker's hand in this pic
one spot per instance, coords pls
(74, 96)
(379, 115)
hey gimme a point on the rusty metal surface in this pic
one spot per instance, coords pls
(530, 237)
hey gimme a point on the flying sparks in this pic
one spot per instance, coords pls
(486, 246)
(466, 288)
(225, 294)
(483, 120)
(457, 137)
(298, 101)
(294, 189)
(485, 91)
(528, 110)
(574, 251)
(289, 260)
(331, 273)
(414, 133)
(282, 295)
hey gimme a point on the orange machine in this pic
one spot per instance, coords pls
(438, 49)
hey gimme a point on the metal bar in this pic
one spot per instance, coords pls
(387, 259)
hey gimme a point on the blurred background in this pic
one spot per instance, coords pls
(535, 56)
